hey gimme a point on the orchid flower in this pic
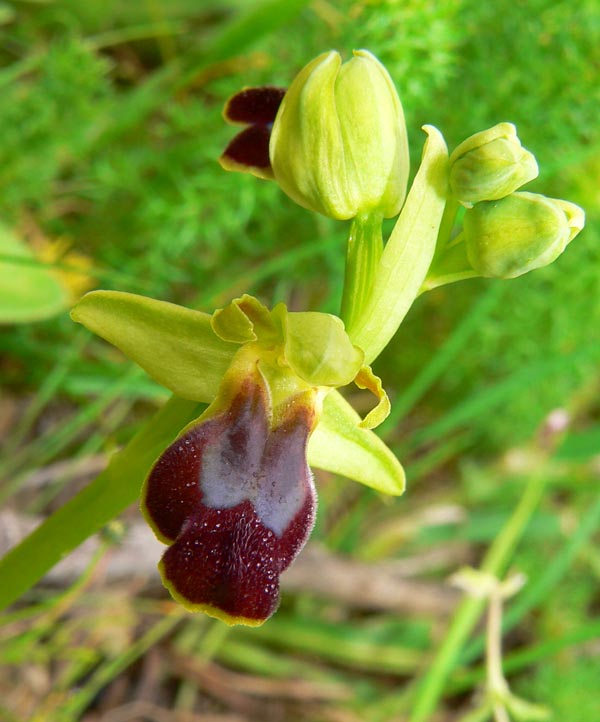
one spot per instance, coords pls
(233, 496)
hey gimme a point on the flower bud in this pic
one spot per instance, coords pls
(490, 165)
(338, 144)
(524, 231)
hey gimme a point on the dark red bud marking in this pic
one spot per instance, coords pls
(249, 150)
(254, 105)
(238, 501)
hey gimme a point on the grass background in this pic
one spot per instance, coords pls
(110, 126)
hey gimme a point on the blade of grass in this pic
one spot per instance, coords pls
(430, 686)
(493, 396)
(106, 497)
(260, 660)
(351, 647)
(266, 269)
(78, 701)
(46, 391)
(538, 590)
(42, 449)
(240, 34)
(438, 455)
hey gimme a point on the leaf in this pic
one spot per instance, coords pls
(408, 253)
(341, 446)
(28, 290)
(86, 513)
(176, 346)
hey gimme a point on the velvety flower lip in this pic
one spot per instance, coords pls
(235, 498)
(249, 149)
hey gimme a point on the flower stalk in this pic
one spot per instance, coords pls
(363, 254)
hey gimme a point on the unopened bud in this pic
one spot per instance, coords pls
(524, 231)
(338, 144)
(490, 165)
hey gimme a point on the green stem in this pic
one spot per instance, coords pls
(365, 246)
(79, 700)
(539, 588)
(469, 611)
(446, 227)
(450, 266)
(107, 496)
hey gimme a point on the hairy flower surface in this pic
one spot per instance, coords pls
(235, 498)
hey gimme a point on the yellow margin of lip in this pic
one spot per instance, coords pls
(150, 521)
(208, 609)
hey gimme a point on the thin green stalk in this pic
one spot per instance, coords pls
(431, 686)
(539, 588)
(446, 227)
(365, 246)
(80, 700)
(106, 497)
(516, 661)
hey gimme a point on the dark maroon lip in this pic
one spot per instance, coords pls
(237, 500)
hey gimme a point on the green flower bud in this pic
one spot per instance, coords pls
(524, 231)
(490, 165)
(338, 144)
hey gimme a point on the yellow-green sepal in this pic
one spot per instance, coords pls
(176, 346)
(342, 446)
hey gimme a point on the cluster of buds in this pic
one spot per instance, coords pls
(507, 233)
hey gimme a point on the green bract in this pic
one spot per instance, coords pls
(519, 233)
(407, 255)
(190, 352)
(338, 144)
(489, 165)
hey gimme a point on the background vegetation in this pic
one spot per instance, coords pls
(110, 126)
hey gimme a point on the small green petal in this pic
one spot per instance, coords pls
(318, 349)
(408, 254)
(366, 379)
(341, 446)
(247, 319)
(232, 324)
(176, 346)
